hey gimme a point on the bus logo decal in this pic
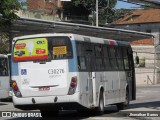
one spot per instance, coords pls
(23, 71)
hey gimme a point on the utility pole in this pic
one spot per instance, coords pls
(96, 13)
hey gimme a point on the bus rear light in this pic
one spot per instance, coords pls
(73, 86)
(74, 80)
(16, 89)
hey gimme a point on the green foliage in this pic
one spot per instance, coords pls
(8, 8)
(106, 9)
(4, 43)
(85, 3)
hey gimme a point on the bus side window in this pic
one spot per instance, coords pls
(113, 57)
(107, 63)
(99, 57)
(81, 56)
(3, 67)
(1, 70)
(120, 58)
(125, 58)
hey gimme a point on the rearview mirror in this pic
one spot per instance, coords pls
(137, 59)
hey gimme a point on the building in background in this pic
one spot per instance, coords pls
(49, 7)
(144, 21)
(43, 9)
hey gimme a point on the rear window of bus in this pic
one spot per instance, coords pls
(48, 48)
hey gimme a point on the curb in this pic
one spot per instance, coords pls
(158, 85)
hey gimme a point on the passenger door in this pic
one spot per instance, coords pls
(91, 74)
(131, 76)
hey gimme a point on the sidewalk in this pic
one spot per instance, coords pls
(145, 85)
(146, 105)
(141, 80)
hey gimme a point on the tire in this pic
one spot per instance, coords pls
(49, 114)
(124, 105)
(100, 108)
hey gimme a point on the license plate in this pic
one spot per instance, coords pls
(44, 88)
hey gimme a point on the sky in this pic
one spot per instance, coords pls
(125, 5)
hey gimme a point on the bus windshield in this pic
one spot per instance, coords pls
(48, 48)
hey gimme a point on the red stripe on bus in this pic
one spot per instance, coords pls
(30, 58)
(111, 42)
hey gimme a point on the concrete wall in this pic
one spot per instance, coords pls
(145, 74)
(27, 14)
(146, 48)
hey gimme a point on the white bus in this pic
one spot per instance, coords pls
(70, 71)
(4, 77)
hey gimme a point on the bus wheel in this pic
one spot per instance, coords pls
(125, 104)
(49, 114)
(100, 108)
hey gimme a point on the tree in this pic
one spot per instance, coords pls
(8, 8)
(106, 11)
(105, 8)
(4, 43)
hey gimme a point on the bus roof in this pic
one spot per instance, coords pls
(77, 38)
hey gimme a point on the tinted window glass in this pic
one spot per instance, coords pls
(98, 50)
(113, 59)
(120, 58)
(60, 47)
(3, 67)
(82, 63)
(125, 58)
(112, 52)
(99, 57)
(81, 56)
(106, 58)
(34, 49)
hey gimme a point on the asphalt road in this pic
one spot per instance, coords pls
(148, 99)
